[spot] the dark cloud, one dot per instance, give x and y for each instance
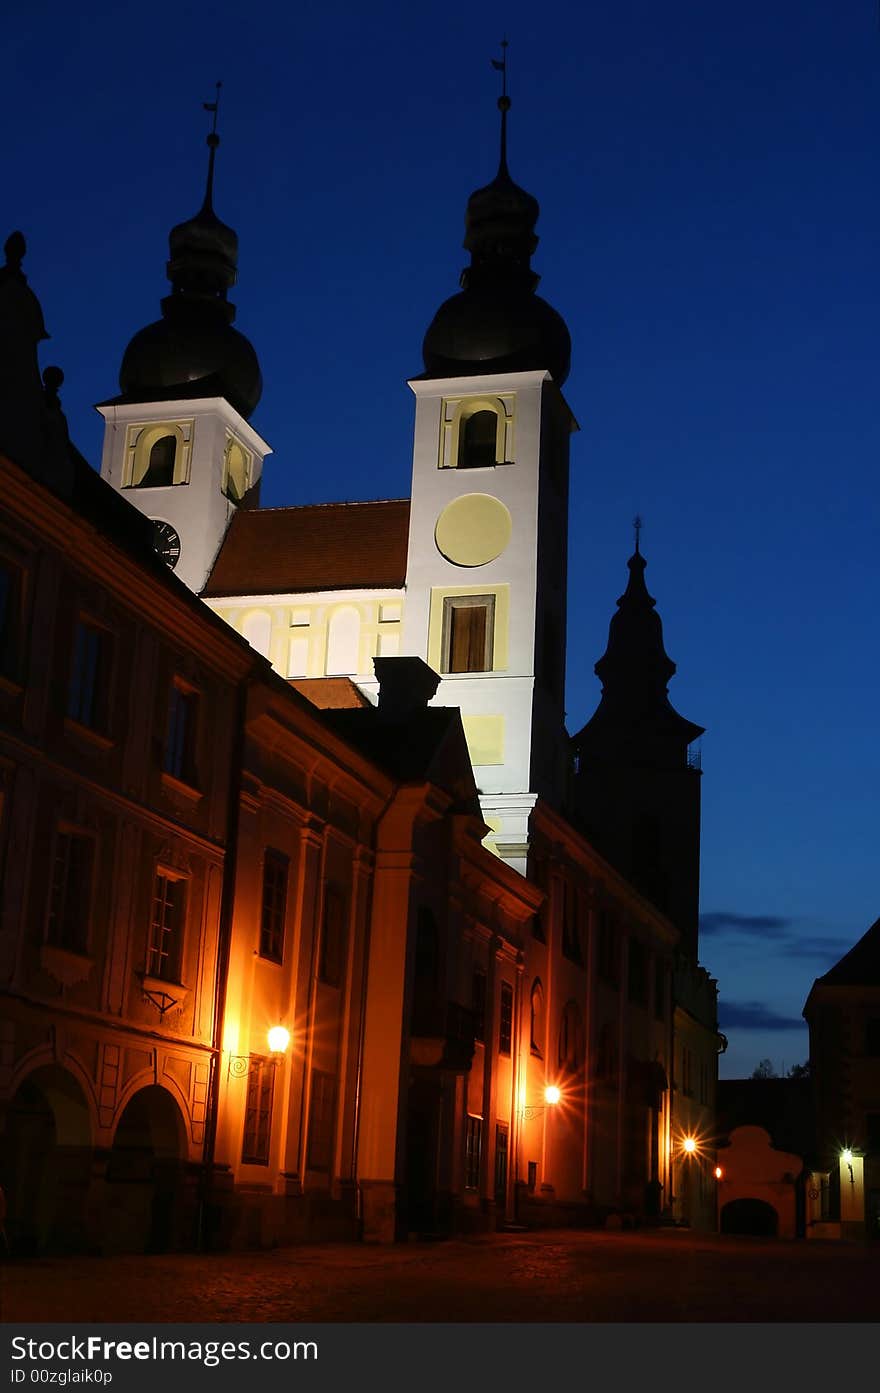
(754, 1015)
(828, 950)
(725, 921)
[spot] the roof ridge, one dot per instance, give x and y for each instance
(339, 503)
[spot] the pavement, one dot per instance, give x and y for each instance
(571, 1276)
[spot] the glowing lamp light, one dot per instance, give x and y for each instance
(689, 1145)
(718, 1172)
(846, 1157)
(279, 1039)
(552, 1094)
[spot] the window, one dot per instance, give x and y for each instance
(478, 1001)
(607, 955)
(637, 975)
(477, 440)
(180, 741)
(426, 970)
(70, 892)
(10, 618)
(501, 1163)
(322, 1109)
(274, 906)
(473, 1148)
(236, 479)
(872, 1036)
(505, 1021)
(660, 989)
(532, 1182)
(331, 954)
(872, 1133)
(88, 693)
(258, 1111)
(537, 1015)
(159, 472)
(468, 632)
(166, 927)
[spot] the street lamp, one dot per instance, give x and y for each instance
(552, 1096)
(277, 1039)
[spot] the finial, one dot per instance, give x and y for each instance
(500, 66)
(213, 140)
(15, 249)
(53, 377)
(637, 527)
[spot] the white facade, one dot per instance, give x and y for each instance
(213, 458)
(498, 532)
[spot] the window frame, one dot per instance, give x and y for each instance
(473, 1152)
(90, 676)
(451, 603)
(179, 753)
(505, 1019)
(80, 941)
(259, 1105)
(157, 956)
(272, 934)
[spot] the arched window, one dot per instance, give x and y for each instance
(537, 1014)
(257, 629)
(160, 464)
(343, 639)
(237, 480)
(477, 440)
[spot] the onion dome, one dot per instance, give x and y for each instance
(497, 323)
(193, 349)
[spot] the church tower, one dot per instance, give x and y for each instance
(177, 441)
(486, 568)
(636, 789)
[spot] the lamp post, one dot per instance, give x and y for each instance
(277, 1040)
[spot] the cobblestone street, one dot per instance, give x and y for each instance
(572, 1276)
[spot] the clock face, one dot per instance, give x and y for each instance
(166, 542)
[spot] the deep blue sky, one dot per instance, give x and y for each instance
(708, 180)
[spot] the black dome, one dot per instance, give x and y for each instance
(497, 323)
(496, 329)
(193, 349)
(201, 351)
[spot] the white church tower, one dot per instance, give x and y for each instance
(177, 443)
(486, 571)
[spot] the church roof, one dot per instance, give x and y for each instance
(860, 967)
(323, 546)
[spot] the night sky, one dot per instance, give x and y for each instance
(710, 219)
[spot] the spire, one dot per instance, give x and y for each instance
(203, 262)
(500, 65)
(500, 219)
(212, 141)
(496, 323)
(635, 671)
(194, 346)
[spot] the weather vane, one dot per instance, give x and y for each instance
(212, 106)
(637, 527)
(500, 66)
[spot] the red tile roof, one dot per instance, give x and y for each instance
(330, 693)
(325, 546)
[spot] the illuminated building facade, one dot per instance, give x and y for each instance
(843, 1014)
(384, 845)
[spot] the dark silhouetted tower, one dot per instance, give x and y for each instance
(636, 790)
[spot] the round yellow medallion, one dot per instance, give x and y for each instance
(473, 530)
